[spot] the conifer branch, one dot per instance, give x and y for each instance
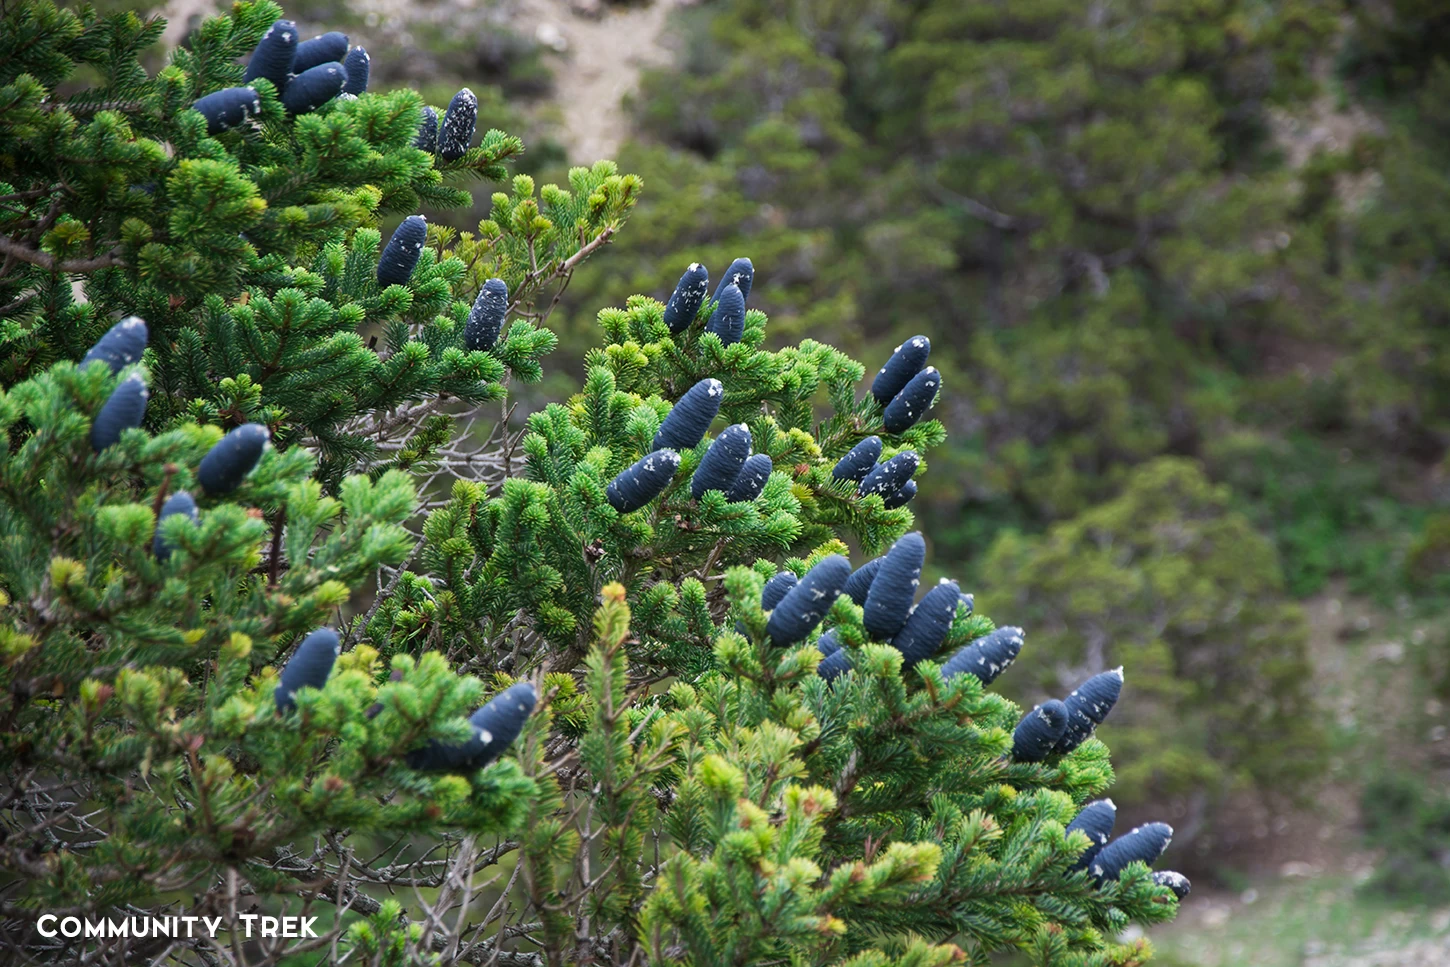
(45, 260)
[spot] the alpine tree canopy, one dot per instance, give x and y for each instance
(290, 623)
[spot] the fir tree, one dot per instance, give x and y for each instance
(566, 727)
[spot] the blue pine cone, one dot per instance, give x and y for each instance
(459, 123)
(227, 464)
(178, 503)
(125, 409)
(400, 256)
(902, 497)
(806, 604)
(1144, 844)
(888, 478)
(1095, 820)
(751, 480)
(687, 298)
(728, 319)
(314, 87)
(358, 66)
(777, 588)
(861, 459)
(1088, 705)
(1039, 731)
(908, 407)
(427, 136)
(834, 665)
(906, 361)
(121, 346)
(331, 46)
(688, 419)
(927, 626)
(273, 55)
(308, 668)
(723, 462)
(894, 588)
(988, 656)
(227, 108)
(740, 274)
(859, 584)
(495, 727)
(485, 319)
(644, 481)
(1176, 882)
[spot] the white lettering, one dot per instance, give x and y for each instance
(50, 926)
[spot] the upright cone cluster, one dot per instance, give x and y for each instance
(892, 479)
(306, 75)
(886, 589)
(906, 387)
(727, 317)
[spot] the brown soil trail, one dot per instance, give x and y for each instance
(598, 51)
(599, 64)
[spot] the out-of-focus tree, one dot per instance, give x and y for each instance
(1171, 582)
(1089, 190)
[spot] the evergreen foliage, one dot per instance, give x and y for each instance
(1172, 583)
(661, 771)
